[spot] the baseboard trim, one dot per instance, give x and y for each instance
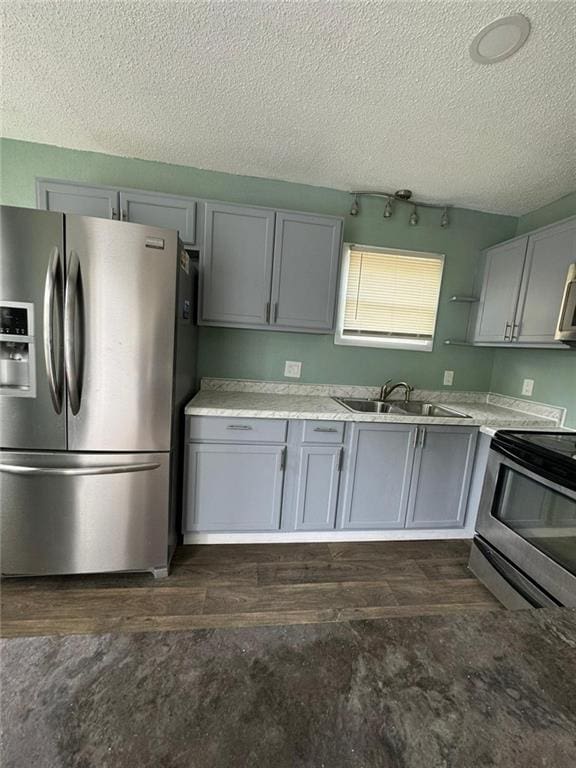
(279, 537)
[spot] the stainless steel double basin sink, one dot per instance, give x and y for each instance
(413, 408)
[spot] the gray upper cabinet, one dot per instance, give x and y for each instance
(317, 483)
(550, 253)
(159, 210)
(377, 475)
(101, 202)
(441, 477)
(262, 268)
(233, 487)
(306, 261)
(523, 285)
(236, 266)
(151, 208)
(502, 278)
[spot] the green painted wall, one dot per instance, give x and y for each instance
(261, 354)
(554, 372)
(548, 214)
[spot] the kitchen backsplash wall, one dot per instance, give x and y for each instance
(553, 372)
(261, 354)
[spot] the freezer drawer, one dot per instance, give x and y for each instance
(64, 513)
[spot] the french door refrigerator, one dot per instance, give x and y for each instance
(97, 349)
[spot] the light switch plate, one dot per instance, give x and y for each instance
(448, 378)
(527, 387)
(293, 369)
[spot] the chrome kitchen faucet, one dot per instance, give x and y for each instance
(387, 389)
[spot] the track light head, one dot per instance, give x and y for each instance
(355, 209)
(444, 221)
(388, 210)
(413, 221)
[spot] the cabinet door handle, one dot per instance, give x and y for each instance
(244, 427)
(267, 311)
(275, 311)
(515, 332)
(325, 429)
(422, 436)
(341, 460)
(416, 436)
(283, 459)
(507, 330)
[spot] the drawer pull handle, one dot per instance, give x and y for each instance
(238, 426)
(325, 429)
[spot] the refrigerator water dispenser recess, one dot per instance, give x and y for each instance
(17, 349)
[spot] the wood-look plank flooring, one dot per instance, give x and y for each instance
(237, 585)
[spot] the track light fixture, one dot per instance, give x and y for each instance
(400, 196)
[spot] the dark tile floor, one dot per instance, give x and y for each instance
(490, 691)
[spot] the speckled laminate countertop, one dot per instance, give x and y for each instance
(267, 405)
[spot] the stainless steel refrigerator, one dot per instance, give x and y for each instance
(97, 357)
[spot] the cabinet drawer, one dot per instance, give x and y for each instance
(236, 430)
(323, 432)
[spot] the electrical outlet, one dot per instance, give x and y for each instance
(293, 369)
(527, 387)
(448, 378)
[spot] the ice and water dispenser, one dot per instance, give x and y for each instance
(17, 349)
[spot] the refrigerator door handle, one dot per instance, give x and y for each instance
(52, 284)
(70, 301)
(111, 469)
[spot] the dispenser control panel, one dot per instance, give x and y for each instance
(17, 349)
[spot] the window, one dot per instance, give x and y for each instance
(388, 298)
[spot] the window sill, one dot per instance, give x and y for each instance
(377, 343)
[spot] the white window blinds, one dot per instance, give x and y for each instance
(391, 295)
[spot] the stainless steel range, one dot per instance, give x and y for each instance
(96, 361)
(525, 544)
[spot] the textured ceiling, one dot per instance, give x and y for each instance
(338, 94)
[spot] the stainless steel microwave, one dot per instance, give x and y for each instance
(566, 330)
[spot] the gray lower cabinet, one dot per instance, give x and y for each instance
(236, 266)
(317, 482)
(306, 261)
(377, 475)
(271, 475)
(441, 477)
(101, 202)
(232, 487)
(157, 210)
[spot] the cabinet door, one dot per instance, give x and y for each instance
(233, 487)
(441, 477)
(161, 211)
(377, 479)
(236, 272)
(549, 255)
(101, 202)
(501, 285)
(317, 487)
(306, 260)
